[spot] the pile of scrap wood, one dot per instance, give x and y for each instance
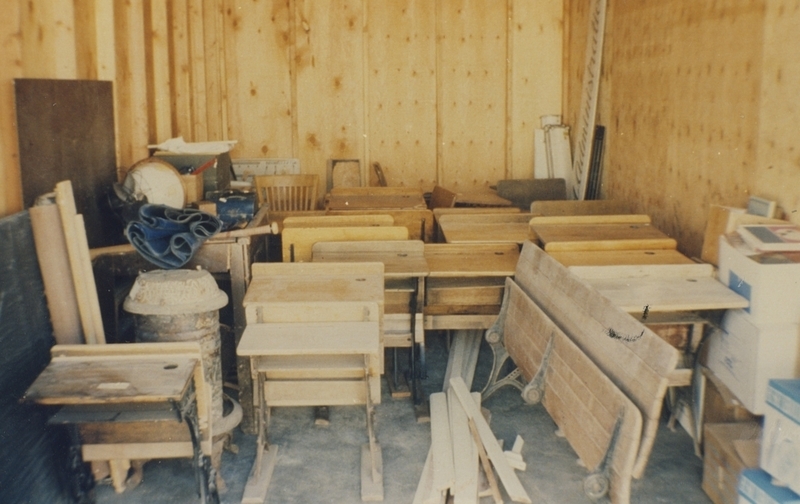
(464, 451)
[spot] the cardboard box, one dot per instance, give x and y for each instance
(745, 356)
(755, 487)
(721, 463)
(216, 168)
(770, 281)
(780, 447)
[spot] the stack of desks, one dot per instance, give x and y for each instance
(314, 337)
(465, 285)
(405, 270)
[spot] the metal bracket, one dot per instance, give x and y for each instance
(495, 338)
(596, 484)
(533, 392)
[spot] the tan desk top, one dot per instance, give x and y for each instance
(91, 380)
(371, 198)
(661, 287)
(617, 257)
(622, 236)
(400, 258)
(465, 232)
(315, 282)
(471, 260)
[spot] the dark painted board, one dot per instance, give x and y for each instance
(32, 456)
(66, 132)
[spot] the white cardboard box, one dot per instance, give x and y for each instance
(780, 442)
(755, 487)
(746, 355)
(770, 281)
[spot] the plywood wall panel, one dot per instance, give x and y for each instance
(48, 31)
(778, 161)
(536, 38)
(259, 87)
(401, 88)
(214, 55)
(330, 83)
(680, 100)
(197, 61)
(472, 93)
(158, 63)
(10, 69)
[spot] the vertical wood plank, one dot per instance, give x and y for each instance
(472, 81)
(180, 73)
(197, 60)
(259, 87)
(329, 83)
(401, 101)
(10, 69)
(158, 60)
(130, 85)
(48, 39)
(536, 35)
(214, 51)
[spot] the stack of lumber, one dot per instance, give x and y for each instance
(463, 448)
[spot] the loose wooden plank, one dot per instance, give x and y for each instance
(371, 480)
(441, 443)
(255, 490)
(507, 476)
(301, 240)
(635, 358)
(485, 464)
(465, 453)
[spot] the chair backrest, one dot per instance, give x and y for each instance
(287, 192)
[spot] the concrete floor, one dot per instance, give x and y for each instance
(322, 464)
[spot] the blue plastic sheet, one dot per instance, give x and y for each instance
(169, 237)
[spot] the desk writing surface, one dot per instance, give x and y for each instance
(661, 287)
(88, 381)
(326, 338)
(368, 198)
(471, 260)
(465, 232)
(601, 237)
(485, 218)
(612, 257)
(315, 282)
(400, 258)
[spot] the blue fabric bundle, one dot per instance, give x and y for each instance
(169, 237)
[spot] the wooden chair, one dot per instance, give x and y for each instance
(287, 192)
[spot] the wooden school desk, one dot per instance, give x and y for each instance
(485, 228)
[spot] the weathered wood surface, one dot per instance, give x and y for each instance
(419, 221)
(579, 207)
(471, 260)
(570, 237)
(372, 198)
(635, 358)
(297, 243)
(400, 258)
(661, 287)
(88, 381)
(615, 257)
(581, 399)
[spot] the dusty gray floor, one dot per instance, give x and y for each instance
(322, 464)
